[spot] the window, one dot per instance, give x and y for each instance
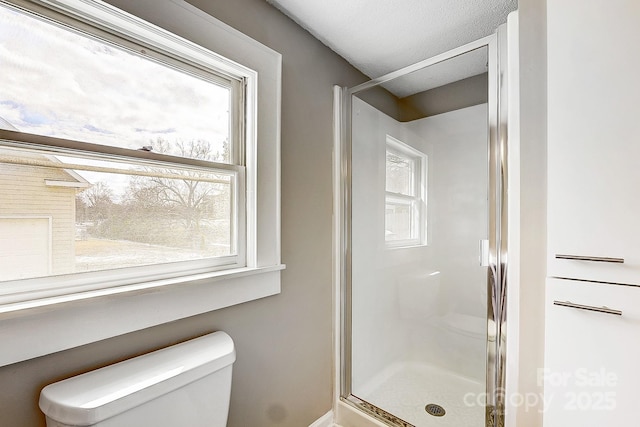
(405, 195)
(49, 309)
(133, 143)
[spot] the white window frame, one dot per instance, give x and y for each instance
(165, 47)
(417, 200)
(126, 305)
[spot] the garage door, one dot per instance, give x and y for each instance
(25, 248)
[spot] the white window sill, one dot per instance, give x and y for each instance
(36, 328)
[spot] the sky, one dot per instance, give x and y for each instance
(58, 83)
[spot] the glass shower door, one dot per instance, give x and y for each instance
(419, 229)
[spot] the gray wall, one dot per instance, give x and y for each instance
(283, 374)
(453, 96)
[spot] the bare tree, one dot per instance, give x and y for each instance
(188, 201)
(97, 201)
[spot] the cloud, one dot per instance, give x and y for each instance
(92, 128)
(160, 131)
(56, 82)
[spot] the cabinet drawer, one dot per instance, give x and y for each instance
(591, 376)
(608, 265)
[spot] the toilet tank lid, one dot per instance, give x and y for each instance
(101, 394)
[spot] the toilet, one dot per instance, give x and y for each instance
(188, 384)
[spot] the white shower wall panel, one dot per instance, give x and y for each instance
(458, 194)
(379, 336)
(399, 301)
(458, 220)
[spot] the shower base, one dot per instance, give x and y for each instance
(405, 389)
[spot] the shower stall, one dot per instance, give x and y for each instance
(421, 240)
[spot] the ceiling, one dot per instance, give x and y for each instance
(381, 36)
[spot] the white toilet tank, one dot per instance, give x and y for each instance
(188, 384)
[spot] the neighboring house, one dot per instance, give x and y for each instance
(37, 219)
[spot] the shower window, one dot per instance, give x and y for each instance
(405, 195)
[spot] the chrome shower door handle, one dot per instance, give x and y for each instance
(605, 310)
(484, 253)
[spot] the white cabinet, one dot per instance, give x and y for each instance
(592, 330)
(594, 138)
(591, 375)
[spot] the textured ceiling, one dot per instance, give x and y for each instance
(380, 36)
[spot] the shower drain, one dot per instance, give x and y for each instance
(435, 410)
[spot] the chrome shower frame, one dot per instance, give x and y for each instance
(498, 227)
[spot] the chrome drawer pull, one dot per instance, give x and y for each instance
(588, 307)
(590, 258)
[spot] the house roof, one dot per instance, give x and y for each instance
(4, 124)
(78, 182)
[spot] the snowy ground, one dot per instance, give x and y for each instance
(100, 254)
